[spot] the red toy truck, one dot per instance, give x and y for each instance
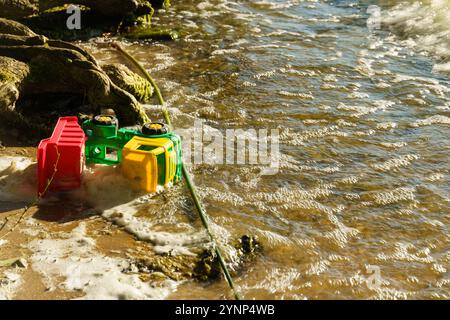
(67, 143)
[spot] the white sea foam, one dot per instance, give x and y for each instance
(224, 51)
(407, 252)
(436, 119)
(393, 144)
(442, 67)
(425, 25)
(401, 161)
(146, 229)
(300, 95)
(278, 281)
(17, 179)
(395, 195)
(9, 284)
(435, 177)
(386, 125)
(360, 110)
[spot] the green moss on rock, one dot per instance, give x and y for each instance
(129, 81)
(6, 76)
(173, 267)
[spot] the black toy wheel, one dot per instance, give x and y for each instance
(104, 120)
(154, 128)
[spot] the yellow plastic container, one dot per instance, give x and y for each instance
(149, 162)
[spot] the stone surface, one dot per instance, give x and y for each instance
(34, 66)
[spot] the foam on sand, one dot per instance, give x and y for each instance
(17, 179)
(9, 284)
(82, 268)
(106, 190)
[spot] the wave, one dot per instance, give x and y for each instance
(424, 26)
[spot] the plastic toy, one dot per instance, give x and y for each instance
(156, 131)
(103, 145)
(62, 157)
(149, 162)
(106, 141)
(149, 157)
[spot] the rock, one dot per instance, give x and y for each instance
(12, 74)
(129, 81)
(159, 275)
(42, 79)
(110, 8)
(21, 263)
(16, 40)
(14, 28)
(175, 268)
(208, 266)
(15, 9)
(248, 244)
(49, 17)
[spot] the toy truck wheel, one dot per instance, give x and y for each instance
(154, 128)
(104, 120)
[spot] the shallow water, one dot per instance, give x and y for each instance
(363, 115)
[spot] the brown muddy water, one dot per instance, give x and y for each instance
(359, 208)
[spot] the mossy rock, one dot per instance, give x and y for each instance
(6, 76)
(14, 28)
(34, 68)
(173, 267)
(12, 73)
(52, 23)
(15, 9)
(129, 81)
(203, 266)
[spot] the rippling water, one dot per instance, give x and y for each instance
(363, 114)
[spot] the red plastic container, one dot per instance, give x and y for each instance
(68, 140)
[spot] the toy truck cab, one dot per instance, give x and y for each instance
(103, 144)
